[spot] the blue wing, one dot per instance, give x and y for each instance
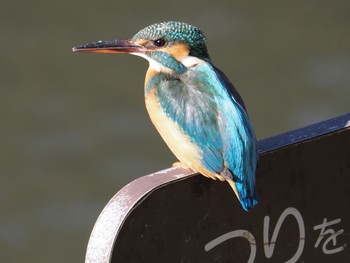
(210, 111)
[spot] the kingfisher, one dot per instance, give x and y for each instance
(193, 105)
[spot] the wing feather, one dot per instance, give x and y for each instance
(209, 110)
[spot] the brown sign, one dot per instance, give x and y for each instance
(303, 214)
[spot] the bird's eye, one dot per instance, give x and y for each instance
(159, 42)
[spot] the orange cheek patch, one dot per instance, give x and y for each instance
(178, 51)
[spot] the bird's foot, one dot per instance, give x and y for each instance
(180, 165)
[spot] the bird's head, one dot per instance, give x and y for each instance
(170, 47)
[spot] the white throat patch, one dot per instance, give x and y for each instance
(152, 63)
(188, 62)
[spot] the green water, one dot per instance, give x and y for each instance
(73, 126)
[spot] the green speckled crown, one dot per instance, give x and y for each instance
(177, 31)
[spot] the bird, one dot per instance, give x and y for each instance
(193, 105)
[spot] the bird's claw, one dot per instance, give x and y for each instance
(180, 165)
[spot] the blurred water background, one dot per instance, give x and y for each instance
(74, 129)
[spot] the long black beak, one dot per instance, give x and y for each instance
(111, 46)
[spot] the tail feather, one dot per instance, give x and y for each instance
(247, 200)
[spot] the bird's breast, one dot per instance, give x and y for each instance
(178, 142)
